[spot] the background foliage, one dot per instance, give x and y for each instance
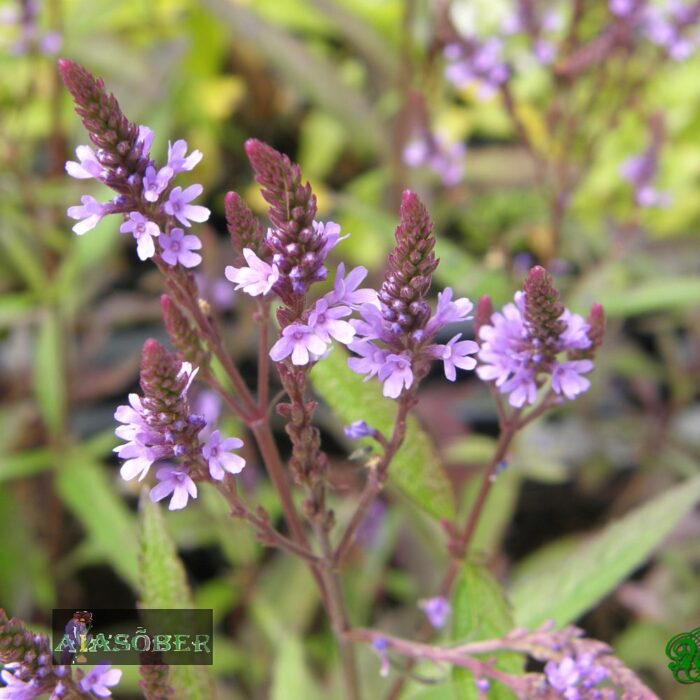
(329, 82)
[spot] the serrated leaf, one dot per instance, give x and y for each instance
(163, 584)
(566, 589)
(49, 376)
(416, 468)
(480, 611)
(84, 487)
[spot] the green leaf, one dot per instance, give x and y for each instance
(480, 611)
(652, 295)
(291, 677)
(49, 375)
(163, 584)
(26, 463)
(84, 487)
(416, 468)
(565, 589)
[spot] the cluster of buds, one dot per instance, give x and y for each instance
(160, 426)
(536, 337)
(152, 207)
(28, 670)
(394, 339)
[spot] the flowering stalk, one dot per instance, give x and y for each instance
(574, 667)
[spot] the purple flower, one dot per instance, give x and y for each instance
(299, 341)
(90, 213)
(88, 166)
(256, 279)
(145, 139)
(396, 374)
(175, 481)
(330, 234)
(448, 311)
(381, 647)
(177, 248)
(16, 689)
(483, 685)
(179, 207)
(640, 171)
(326, 322)
(345, 288)
(623, 8)
(100, 679)
(371, 358)
(567, 379)
(143, 231)
(218, 453)
(178, 160)
(359, 429)
(371, 325)
(437, 610)
(155, 182)
(575, 336)
(455, 354)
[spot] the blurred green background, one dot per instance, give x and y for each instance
(334, 84)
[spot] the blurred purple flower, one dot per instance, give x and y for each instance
(477, 62)
(100, 679)
(358, 429)
(437, 610)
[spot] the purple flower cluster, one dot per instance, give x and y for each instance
(532, 338)
(577, 678)
(672, 25)
(391, 355)
(444, 158)
(475, 62)
(155, 209)
(160, 426)
(394, 339)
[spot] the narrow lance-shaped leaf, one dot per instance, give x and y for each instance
(563, 590)
(163, 584)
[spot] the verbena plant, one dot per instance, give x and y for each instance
(534, 354)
